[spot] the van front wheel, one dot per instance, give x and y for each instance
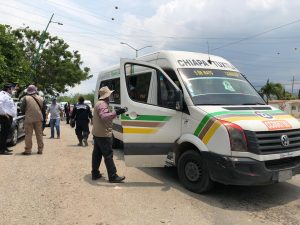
(193, 172)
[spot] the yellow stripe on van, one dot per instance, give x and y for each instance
(239, 118)
(139, 130)
(211, 132)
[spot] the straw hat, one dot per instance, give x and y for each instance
(104, 92)
(31, 89)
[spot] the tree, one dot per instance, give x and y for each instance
(57, 67)
(74, 98)
(14, 66)
(275, 91)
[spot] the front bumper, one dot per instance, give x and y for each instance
(246, 171)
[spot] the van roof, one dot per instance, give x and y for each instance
(183, 59)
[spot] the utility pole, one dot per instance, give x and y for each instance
(36, 58)
(293, 82)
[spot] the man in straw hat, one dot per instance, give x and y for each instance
(102, 131)
(32, 106)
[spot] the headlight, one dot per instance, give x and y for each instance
(237, 137)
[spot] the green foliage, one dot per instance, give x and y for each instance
(55, 66)
(275, 91)
(14, 66)
(74, 98)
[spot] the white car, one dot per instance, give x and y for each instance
(89, 103)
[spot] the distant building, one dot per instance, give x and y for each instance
(290, 106)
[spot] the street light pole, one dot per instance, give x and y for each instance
(35, 61)
(136, 50)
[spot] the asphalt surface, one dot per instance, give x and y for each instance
(56, 188)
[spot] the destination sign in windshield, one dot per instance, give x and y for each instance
(189, 73)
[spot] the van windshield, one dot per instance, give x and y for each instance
(219, 87)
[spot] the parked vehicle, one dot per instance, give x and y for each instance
(89, 103)
(17, 128)
(199, 113)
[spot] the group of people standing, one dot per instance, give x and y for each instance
(33, 107)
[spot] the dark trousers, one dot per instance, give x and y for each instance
(82, 129)
(68, 117)
(103, 147)
(5, 128)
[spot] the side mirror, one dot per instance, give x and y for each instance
(179, 100)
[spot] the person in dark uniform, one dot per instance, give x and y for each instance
(81, 114)
(8, 111)
(67, 112)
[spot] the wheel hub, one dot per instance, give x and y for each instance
(193, 171)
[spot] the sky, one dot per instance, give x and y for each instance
(260, 37)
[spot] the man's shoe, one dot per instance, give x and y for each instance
(116, 179)
(26, 153)
(96, 177)
(8, 150)
(40, 153)
(79, 144)
(5, 153)
(51, 137)
(85, 142)
(58, 137)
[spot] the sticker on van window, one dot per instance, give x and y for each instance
(228, 86)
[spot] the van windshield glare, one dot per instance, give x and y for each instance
(219, 87)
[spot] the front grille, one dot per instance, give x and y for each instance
(285, 163)
(269, 142)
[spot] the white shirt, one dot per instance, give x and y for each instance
(54, 111)
(7, 105)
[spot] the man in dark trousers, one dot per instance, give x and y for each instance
(8, 111)
(67, 112)
(81, 114)
(102, 131)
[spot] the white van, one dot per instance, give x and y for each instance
(200, 114)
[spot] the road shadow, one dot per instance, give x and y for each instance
(239, 198)
(103, 182)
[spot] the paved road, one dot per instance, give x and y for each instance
(56, 188)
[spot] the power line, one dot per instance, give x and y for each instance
(258, 34)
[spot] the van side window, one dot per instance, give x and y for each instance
(113, 84)
(166, 92)
(138, 79)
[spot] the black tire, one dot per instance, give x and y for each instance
(14, 137)
(193, 172)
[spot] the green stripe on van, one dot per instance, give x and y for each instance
(147, 118)
(209, 116)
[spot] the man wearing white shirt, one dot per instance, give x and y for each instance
(8, 111)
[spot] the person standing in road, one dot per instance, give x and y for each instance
(67, 108)
(8, 110)
(32, 106)
(102, 131)
(55, 111)
(81, 114)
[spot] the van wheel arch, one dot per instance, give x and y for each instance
(193, 171)
(185, 146)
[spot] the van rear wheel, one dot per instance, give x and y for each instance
(193, 172)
